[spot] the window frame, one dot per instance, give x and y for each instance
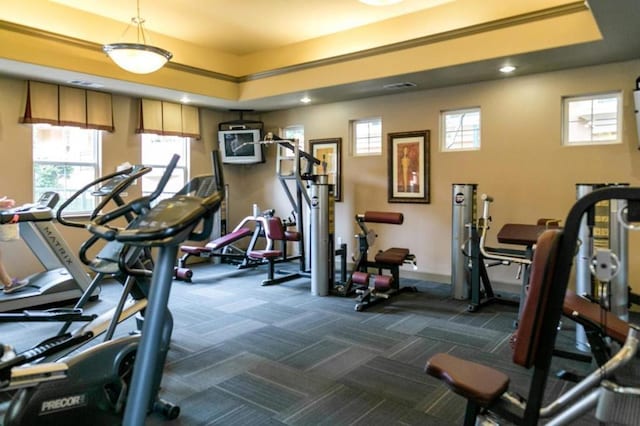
(96, 164)
(443, 129)
(566, 124)
(356, 152)
(184, 163)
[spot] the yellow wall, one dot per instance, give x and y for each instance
(521, 163)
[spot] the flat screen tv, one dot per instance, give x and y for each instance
(240, 147)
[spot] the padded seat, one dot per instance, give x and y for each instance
(265, 254)
(392, 256)
(219, 242)
(475, 382)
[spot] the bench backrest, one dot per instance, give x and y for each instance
(537, 300)
(274, 230)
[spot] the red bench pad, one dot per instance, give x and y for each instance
(220, 242)
(393, 256)
(229, 238)
(473, 381)
(265, 254)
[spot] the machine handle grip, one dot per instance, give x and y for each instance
(102, 231)
(68, 201)
(121, 186)
(487, 198)
(165, 177)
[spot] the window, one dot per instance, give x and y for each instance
(367, 136)
(156, 153)
(460, 129)
(294, 132)
(591, 120)
(64, 160)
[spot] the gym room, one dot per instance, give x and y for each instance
(300, 212)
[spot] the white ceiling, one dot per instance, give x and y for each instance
(267, 54)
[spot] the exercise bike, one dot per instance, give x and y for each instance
(93, 383)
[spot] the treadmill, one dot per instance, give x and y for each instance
(64, 278)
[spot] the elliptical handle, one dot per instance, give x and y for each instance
(71, 199)
(168, 171)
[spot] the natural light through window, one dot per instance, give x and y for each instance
(64, 160)
(156, 153)
(592, 120)
(460, 129)
(367, 137)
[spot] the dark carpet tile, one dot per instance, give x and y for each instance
(212, 406)
(246, 416)
(309, 321)
(460, 334)
(270, 312)
(416, 350)
(391, 380)
(261, 393)
(271, 342)
(194, 362)
(305, 383)
(213, 374)
(343, 362)
(359, 334)
(315, 354)
(340, 405)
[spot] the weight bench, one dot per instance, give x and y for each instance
(275, 231)
(208, 250)
(375, 288)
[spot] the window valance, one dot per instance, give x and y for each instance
(168, 118)
(67, 106)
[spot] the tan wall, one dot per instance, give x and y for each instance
(521, 163)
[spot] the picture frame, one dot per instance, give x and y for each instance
(409, 167)
(329, 152)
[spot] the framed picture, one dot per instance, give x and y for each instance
(409, 167)
(328, 151)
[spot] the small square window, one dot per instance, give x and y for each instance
(367, 136)
(592, 120)
(460, 129)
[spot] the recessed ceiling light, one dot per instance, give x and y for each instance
(507, 69)
(380, 2)
(305, 100)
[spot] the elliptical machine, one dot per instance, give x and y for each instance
(95, 382)
(165, 226)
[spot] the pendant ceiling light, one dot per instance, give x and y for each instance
(139, 58)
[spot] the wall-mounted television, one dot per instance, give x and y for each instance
(239, 146)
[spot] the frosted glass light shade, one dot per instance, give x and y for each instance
(137, 58)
